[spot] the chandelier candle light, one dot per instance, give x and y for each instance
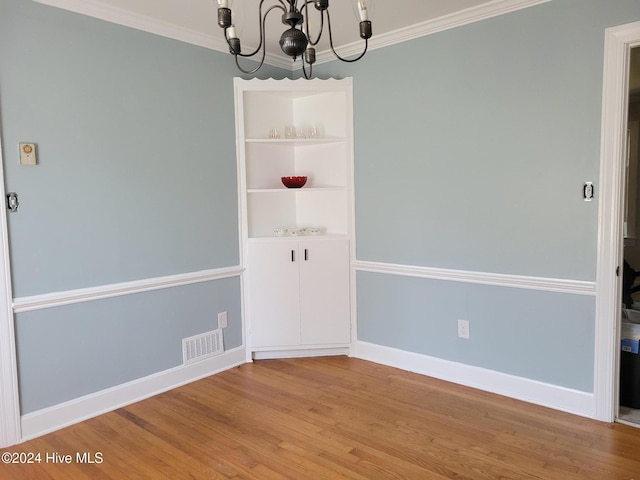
(296, 40)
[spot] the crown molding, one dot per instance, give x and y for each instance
(100, 10)
(103, 11)
(120, 16)
(446, 22)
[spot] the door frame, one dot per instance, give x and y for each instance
(10, 431)
(618, 43)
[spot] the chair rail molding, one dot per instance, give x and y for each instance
(575, 287)
(56, 299)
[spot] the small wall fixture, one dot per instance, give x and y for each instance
(587, 191)
(296, 40)
(12, 201)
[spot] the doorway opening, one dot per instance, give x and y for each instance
(629, 378)
(619, 42)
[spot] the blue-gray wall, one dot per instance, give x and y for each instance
(66, 352)
(527, 333)
(472, 146)
(136, 180)
(471, 149)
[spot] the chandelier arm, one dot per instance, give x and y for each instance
(261, 21)
(304, 70)
(366, 45)
(282, 4)
(306, 7)
(250, 72)
(263, 43)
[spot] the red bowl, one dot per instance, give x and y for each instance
(293, 182)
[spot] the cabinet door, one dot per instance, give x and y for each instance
(273, 284)
(324, 292)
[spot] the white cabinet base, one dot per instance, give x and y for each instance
(301, 352)
(325, 307)
(298, 294)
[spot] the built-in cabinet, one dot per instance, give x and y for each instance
(299, 292)
(296, 242)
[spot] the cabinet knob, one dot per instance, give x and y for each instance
(306, 255)
(293, 255)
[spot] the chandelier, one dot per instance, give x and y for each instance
(296, 40)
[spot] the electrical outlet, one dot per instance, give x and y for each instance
(222, 320)
(463, 328)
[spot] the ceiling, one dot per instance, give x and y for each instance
(195, 21)
(201, 15)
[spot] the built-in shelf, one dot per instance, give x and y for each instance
(311, 238)
(325, 200)
(295, 141)
(298, 286)
(295, 190)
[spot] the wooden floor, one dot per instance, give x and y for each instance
(332, 417)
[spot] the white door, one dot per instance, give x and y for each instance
(273, 293)
(324, 292)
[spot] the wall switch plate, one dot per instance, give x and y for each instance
(28, 154)
(463, 328)
(222, 320)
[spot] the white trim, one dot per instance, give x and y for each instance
(627, 422)
(120, 16)
(532, 391)
(575, 287)
(618, 43)
(68, 413)
(446, 22)
(243, 227)
(9, 401)
(56, 299)
(128, 18)
(300, 352)
(109, 13)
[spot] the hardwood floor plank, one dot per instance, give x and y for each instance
(250, 450)
(331, 418)
(263, 445)
(212, 454)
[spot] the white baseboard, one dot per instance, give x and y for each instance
(300, 353)
(68, 413)
(532, 391)
(64, 414)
